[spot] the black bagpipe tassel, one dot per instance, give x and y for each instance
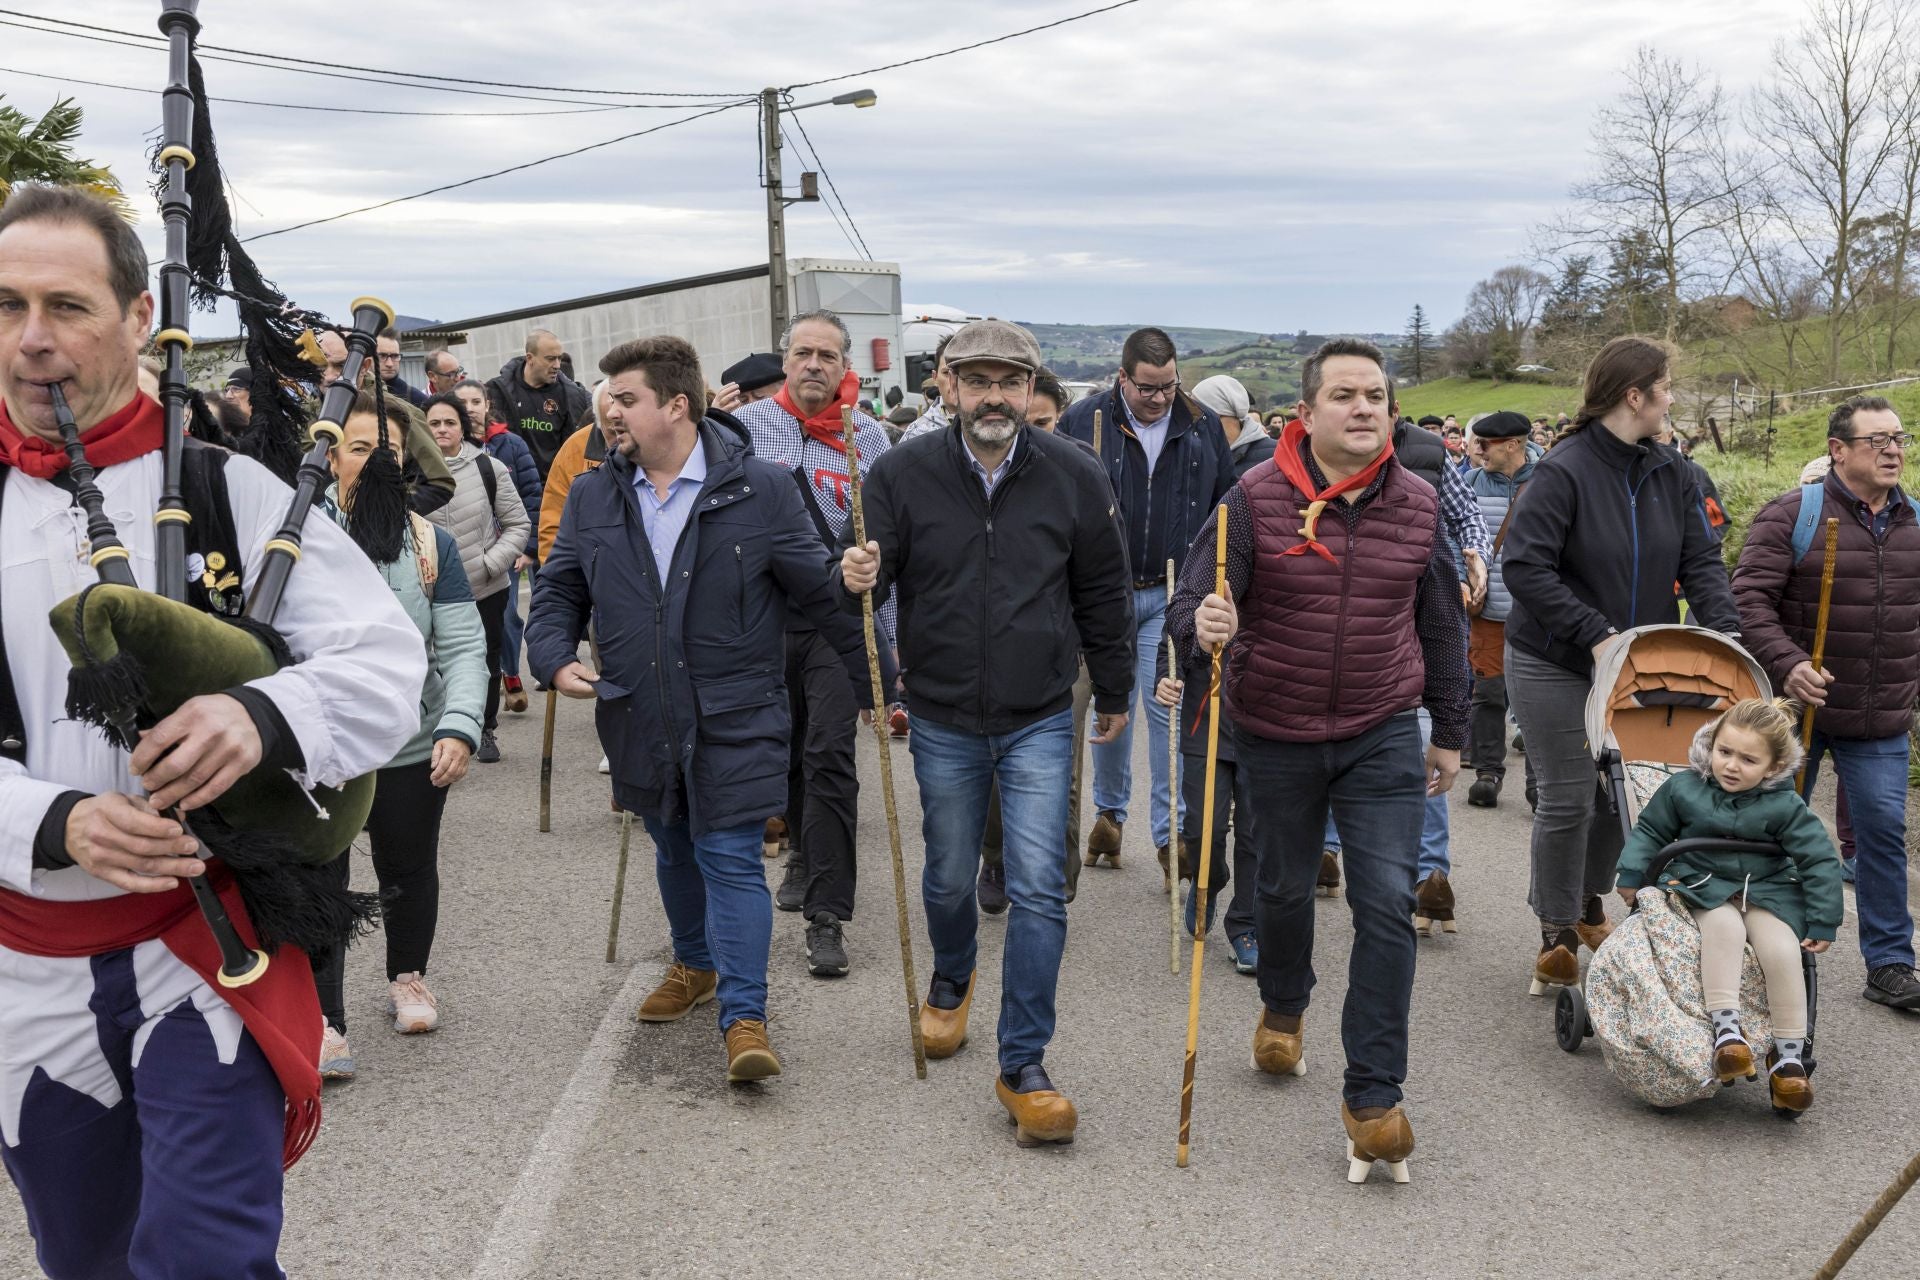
(377, 510)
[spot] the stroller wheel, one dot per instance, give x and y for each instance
(1570, 1025)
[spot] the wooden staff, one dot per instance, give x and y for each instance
(1206, 847)
(1096, 440)
(1819, 644)
(1864, 1228)
(1173, 787)
(546, 764)
(886, 756)
(619, 884)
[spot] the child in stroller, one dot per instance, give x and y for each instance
(1740, 787)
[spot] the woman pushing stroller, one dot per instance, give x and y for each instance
(1740, 787)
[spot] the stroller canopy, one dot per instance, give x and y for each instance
(1660, 685)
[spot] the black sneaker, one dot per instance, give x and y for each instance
(1533, 796)
(1485, 792)
(792, 893)
(993, 888)
(1894, 986)
(826, 948)
(489, 752)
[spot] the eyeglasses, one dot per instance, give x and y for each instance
(385, 356)
(1160, 392)
(979, 385)
(1881, 440)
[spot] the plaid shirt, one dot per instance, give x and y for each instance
(1460, 513)
(778, 438)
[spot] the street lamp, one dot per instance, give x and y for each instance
(777, 198)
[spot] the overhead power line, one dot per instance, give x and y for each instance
(366, 111)
(389, 82)
(347, 66)
(498, 173)
(978, 44)
(831, 212)
(821, 165)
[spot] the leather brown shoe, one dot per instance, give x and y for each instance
(943, 1031)
(1595, 928)
(679, 993)
(1104, 841)
(1433, 904)
(1278, 1053)
(1040, 1113)
(1789, 1088)
(1328, 881)
(1558, 964)
(749, 1054)
(1387, 1137)
(773, 840)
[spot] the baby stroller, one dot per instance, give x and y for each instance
(1659, 687)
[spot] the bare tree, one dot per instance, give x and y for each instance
(1823, 117)
(1653, 172)
(1509, 301)
(1906, 206)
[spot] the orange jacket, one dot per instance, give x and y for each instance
(583, 451)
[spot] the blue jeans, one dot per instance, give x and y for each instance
(714, 890)
(1374, 785)
(1435, 827)
(1874, 772)
(510, 638)
(1033, 767)
(1113, 761)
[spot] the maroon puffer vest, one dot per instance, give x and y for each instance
(1327, 651)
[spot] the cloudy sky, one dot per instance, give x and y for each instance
(1260, 164)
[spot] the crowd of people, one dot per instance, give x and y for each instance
(1398, 596)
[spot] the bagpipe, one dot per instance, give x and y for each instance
(137, 656)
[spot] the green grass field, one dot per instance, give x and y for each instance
(1465, 397)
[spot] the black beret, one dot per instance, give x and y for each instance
(755, 371)
(241, 377)
(1432, 420)
(1505, 425)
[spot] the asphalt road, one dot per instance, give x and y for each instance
(544, 1133)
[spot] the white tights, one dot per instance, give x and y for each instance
(1725, 932)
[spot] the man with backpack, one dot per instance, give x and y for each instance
(1865, 689)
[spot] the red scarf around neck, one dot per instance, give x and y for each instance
(825, 426)
(1294, 467)
(137, 429)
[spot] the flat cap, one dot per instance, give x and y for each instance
(241, 377)
(757, 370)
(1505, 425)
(998, 340)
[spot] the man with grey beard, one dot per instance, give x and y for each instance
(1004, 546)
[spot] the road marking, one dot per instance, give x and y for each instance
(517, 1232)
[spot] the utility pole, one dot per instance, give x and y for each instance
(778, 302)
(776, 214)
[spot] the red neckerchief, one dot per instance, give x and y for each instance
(495, 429)
(137, 429)
(281, 1010)
(1294, 467)
(825, 426)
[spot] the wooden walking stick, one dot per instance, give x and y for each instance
(619, 884)
(1173, 809)
(886, 757)
(1864, 1228)
(1819, 644)
(1206, 846)
(546, 763)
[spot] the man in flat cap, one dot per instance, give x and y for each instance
(1505, 458)
(1005, 549)
(758, 377)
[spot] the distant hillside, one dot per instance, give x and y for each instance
(1081, 345)
(1268, 364)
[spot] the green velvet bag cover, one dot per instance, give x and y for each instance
(130, 647)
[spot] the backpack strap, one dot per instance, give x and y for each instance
(1812, 503)
(488, 480)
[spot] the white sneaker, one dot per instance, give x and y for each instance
(336, 1060)
(412, 1006)
(605, 766)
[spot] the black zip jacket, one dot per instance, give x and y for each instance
(1161, 513)
(998, 601)
(1598, 538)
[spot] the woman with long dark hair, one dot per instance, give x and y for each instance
(1609, 522)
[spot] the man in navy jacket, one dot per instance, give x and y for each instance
(686, 551)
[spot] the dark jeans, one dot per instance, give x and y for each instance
(404, 829)
(1875, 773)
(1487, 745)
(1375, 787)
(823, 785)
(990, 842)
(954, 769)
(516, 625)
(493, 622)
(1229, 793)
(718, 909)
